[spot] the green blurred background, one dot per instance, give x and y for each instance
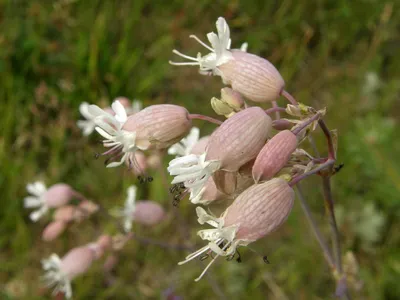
(342, 55)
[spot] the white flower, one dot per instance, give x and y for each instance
(87, 126)
(37, 190)
(128, 210)
(186, 144)
(121, 142)
(221, 239)
(193, 170)
(220, 54)
(56, 277)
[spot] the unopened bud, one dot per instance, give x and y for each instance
(274, 155)
(53, 230)
(148, 213)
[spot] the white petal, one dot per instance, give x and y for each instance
(128, 225)
(130, 200)
(84, 110)
(37, 214)
(96, 111)
(120, 113)
(31, 202)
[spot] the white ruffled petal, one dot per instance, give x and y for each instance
(32, 202)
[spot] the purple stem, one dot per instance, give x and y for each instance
(325, 165)
(205, 118)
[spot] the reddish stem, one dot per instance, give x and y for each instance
(329, 139)
(289, 97)
(277, 114)
(303, 125)
(276, 109)
(205, 118)
(325, 165)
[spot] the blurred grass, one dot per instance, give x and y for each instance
(338, 54)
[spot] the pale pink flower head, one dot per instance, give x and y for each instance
(42, 198)
(60, 272)
(258, 211)
(234, 143)
(274, 155)
(148, 213)
(250, 75)
(143, 212)
(155, 127)
(53, 230)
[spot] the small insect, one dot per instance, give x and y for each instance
(265, 259)
(337, 168)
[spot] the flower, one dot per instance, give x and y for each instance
(184, 147)
(256, 212)
(43, 198)
(120, 141)
(127, 212)
(252, 76)
(144, 212)
(87, 126)
(219, 55)
(221, 239)
(155, 127)
(61, 271)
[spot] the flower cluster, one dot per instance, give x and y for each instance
(249, 159)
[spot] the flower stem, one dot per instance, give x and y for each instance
(301, 126)
(324, 246)
(289, 97)
(331, 149)
(205, 118)
(325, 165)
(277, 113)
(275, 109)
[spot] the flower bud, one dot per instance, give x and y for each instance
(252, 76)
(58, 195)
(65, 213)
(239, 139)
(88, 207)
(60, 272)
(282, 124)
(53, 230)
(274, 155)
(260, 210)
(232, 98)
(159, 126)
(230, 102)
(148, 213)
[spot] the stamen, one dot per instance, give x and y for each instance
(96, 155)
(204, 257)
(185, 56)
(209, 265)
(192, 36)
(182, 63)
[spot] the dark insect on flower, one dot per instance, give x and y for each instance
(336, 169)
